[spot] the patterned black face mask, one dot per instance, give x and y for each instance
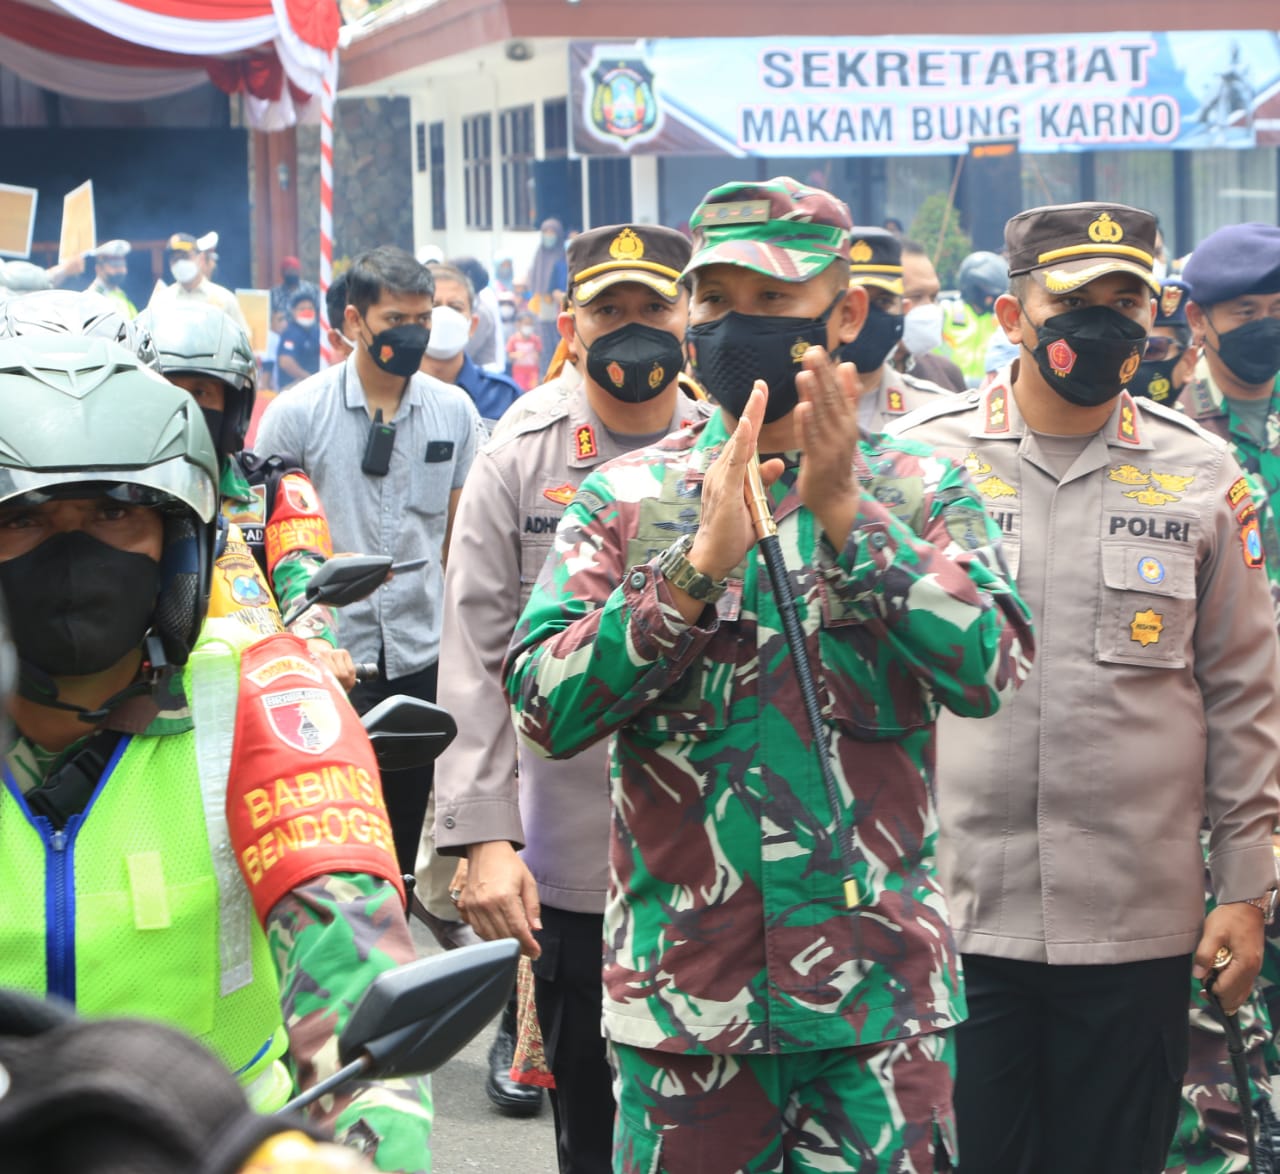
(1088, 356)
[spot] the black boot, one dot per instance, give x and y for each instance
(511, 1098)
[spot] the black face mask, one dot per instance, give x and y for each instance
(635, 362)
(1088, 356)
(1252, 352)
(731, 353)
(399, 351)
(79, 605)
(291, 279)
(213, 418)
(1154, 381)
(880, 333)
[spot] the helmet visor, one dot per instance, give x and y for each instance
(174, 480)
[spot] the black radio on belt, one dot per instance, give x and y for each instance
(377, 447)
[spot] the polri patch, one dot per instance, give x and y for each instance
(1238, 492)
(1251, 541)
(560, 494)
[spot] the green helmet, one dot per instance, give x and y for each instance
(77, 410)
(201, 339)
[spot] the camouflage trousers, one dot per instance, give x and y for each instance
(1210, 1136)
(880, 1109)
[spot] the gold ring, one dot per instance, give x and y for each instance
(1222, 959)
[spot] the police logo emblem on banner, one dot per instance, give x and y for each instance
(305, 719)
(623, 105)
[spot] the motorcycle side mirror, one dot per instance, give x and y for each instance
(407, 732)
(415, 1018)
(341, 581)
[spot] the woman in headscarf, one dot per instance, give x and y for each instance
(547, 281)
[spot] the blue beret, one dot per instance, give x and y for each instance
(1171, 305)
(1237, 260)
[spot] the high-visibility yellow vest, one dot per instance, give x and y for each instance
(137, 907)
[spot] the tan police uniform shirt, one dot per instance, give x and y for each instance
(1070, 819)
(898, 395)
(540, 452)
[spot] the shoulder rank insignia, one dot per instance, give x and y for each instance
(1129, 475)
(997, 415)
(585, 441)
(896, 404)
(1127, 429)
(1150, 496)
(561, 494)
(994, 487)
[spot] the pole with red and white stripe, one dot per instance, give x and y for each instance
(326, 201)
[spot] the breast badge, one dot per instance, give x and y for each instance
(993, 487)
(1151, 570)
(1146, 627)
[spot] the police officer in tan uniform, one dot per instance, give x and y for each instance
(1070, 820)
(624, 330)
(887, 394)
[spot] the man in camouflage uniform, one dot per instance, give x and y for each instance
(773, 994)
(885, 394)
(1070, 821)
(1233, 394)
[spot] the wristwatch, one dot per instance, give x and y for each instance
(1267, 903)
(680, 572)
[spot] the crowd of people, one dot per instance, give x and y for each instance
(940, 837)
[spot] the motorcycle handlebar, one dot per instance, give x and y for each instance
(366, 672)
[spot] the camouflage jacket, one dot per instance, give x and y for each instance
(726, 929)
(1204, 403)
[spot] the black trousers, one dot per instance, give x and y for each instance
(568, 991)
(406, 791)
(1070, 1069)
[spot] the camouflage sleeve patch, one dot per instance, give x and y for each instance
(330, 938)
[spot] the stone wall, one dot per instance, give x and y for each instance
(372, 181)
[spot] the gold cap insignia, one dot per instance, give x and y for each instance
(626, 246)
(1105, 231)
(861, 253)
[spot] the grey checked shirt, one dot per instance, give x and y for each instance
(323, 424)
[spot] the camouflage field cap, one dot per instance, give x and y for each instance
(779, 227)
(875, 258)
(1069, 245)
(646, 253)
